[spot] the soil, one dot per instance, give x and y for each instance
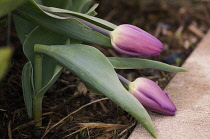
(179, 25)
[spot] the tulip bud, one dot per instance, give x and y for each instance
(151, 96)
(134, 41)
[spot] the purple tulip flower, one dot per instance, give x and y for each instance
(152, 97)
(131, 40)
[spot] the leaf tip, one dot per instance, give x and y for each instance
(152, 132)
(154, 135)
(184, 70)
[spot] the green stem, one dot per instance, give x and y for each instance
(37, 111)
(38, 73)
(37, 102)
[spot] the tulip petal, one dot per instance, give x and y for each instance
(133, 53)
(161, 111)
(134, 41)
(152, 96)
(145, 34)
(155, 93)
(151, 105)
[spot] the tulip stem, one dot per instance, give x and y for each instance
(94, 27)
(123, 80)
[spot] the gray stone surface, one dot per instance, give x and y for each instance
(190, 92)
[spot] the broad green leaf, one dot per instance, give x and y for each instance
(94, 20)
(41, 36)
(51, 69)
(7, 6)
(95, 70)
(70, 27)
(49, 83)
(63, 4)
(92, 11)
(23, 27)
(39, 1)
(80, 6)
(137, 63)
(5, 55)
(27, 87)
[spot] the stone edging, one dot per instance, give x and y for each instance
(190, 93)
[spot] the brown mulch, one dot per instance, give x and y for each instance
(69, 110)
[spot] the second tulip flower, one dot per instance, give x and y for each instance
(152, 97)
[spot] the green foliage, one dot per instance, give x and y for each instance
(27, 87)
(23, 27)
(70, 27)
(66, 14)
(40, 1)
(81, 6)
(138, 63)
(38, 75)
(7, 6)
(63, 4)
(92, 11)
(50, 67)
(51, 40)
(5, 55)
(80, 60)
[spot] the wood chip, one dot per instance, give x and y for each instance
(9, 130)
(196, 31)
(108, 127)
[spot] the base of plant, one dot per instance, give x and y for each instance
(37, 111)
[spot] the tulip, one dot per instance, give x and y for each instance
(126, 39)
(131, 40)
(152, 97)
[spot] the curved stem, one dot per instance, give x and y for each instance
(94, 27)
(123, 80)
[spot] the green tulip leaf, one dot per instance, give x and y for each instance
(69, 27)
(138, 63)
(94, 20)
(5, 55)
(23, 27)
(48, 83)
(40, 1)
(27, 87)
(63, 4)
(80, 6)
(7, 6)
(95, 70)
(51, 69)
(92, 11)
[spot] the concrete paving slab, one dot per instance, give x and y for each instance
(190, 92)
